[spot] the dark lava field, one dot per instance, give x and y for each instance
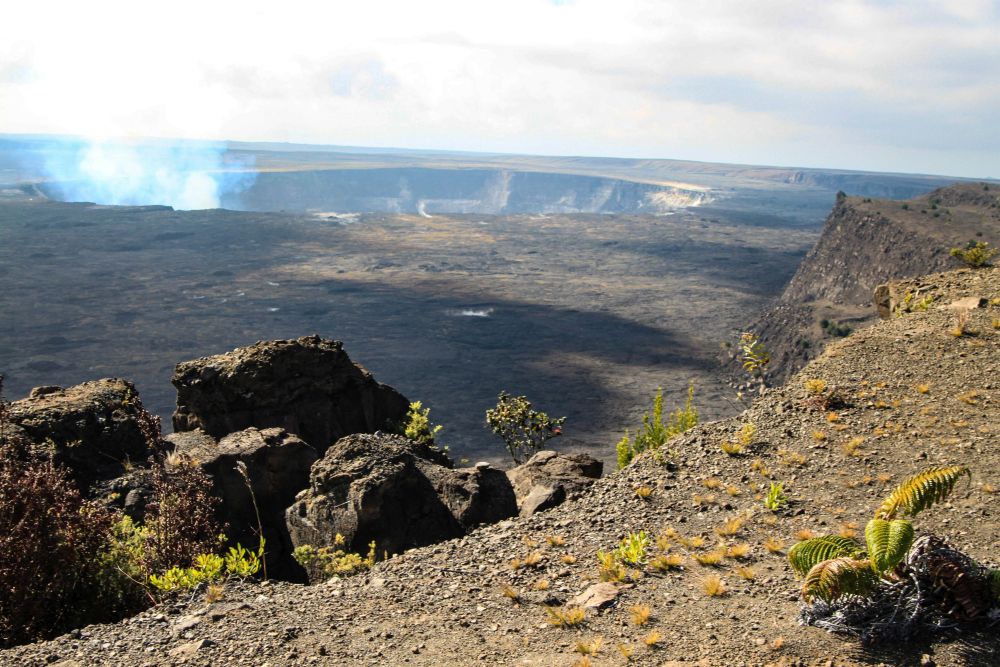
(585, 314)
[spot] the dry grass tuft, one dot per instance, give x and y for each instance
(589, 648)
(746, 573)
(738, 551)
(644, 492)
(731, 527)
(709, 558)
(713, 586)
(566, 617)
(641, 614)
(666, 562)
(774, 546)
(652, 639)
(555, 540)
(567, 559)
(712, 483)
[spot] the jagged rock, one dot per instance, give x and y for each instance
(307, 386)
(93, 428)
(390, 490)
(474, 495)
(277, 465)
(548, 478)
(541, 498)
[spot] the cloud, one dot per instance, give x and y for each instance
(857, 84)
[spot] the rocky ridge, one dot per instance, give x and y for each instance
(867, 242)
(911, 394)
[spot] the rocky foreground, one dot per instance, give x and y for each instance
(914, 390)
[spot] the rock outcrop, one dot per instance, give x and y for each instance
(277, 466)
(866, 243)
(391, 491)
(548, 478)
(308, 386)
(95, 429)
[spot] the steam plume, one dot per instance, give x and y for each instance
(186, 175)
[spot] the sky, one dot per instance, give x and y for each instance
(907, 85)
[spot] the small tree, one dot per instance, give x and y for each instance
(523, 430)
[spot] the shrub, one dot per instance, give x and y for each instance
(754, 355)
(655, 431)
(975, 253)
(418, 425)
(180, 517)
(50, 542)
(522, 429)
(322, 563)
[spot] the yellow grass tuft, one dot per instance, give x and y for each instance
(738, 551)
(566, 617)
(666, 562)
(746, 573)
(731, 527)
(652, 639)
(644, 492)
(641, 614)
(774, 546)
(713, 586)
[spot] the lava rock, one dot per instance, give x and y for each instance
(549, 477)
(277, 467)
(308, 386)
(394, 492)
(95, 429)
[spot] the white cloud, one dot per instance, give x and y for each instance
(852, 84)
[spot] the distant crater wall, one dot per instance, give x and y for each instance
(428, 191)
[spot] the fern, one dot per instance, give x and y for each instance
(993, 577)
(837, 577)
(807, 554)
(921, 491)
(888, 542)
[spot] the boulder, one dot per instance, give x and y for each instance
(548, 478)
(277, 466)
(474, 496)
(394, 492)
(95, 429)
(308, 386)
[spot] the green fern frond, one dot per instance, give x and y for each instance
(807, 554)
(837, 577)
(921, 491)
(888, 542)
(993, 576)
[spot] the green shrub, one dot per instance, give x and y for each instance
(418, 425)
(522, 429)
(322, 563)
(209, 568)
(975, 253)
(655, 432)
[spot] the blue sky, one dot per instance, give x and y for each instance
(899, 86)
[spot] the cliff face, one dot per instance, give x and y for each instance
(865, 243)
(486, 191)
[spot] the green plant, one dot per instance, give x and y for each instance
(975, 253)
(418, 425)
(321, 563)
(522, 429)
(208, 568)
(655, 431)
(835, 566)
(753, 353)
(632, 549)
(775, 498)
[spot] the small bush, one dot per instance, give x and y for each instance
(522, 429)
(322, 563)
(418, 425)
(655, 431)
(975, 253)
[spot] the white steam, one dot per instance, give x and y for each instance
(184, 176)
